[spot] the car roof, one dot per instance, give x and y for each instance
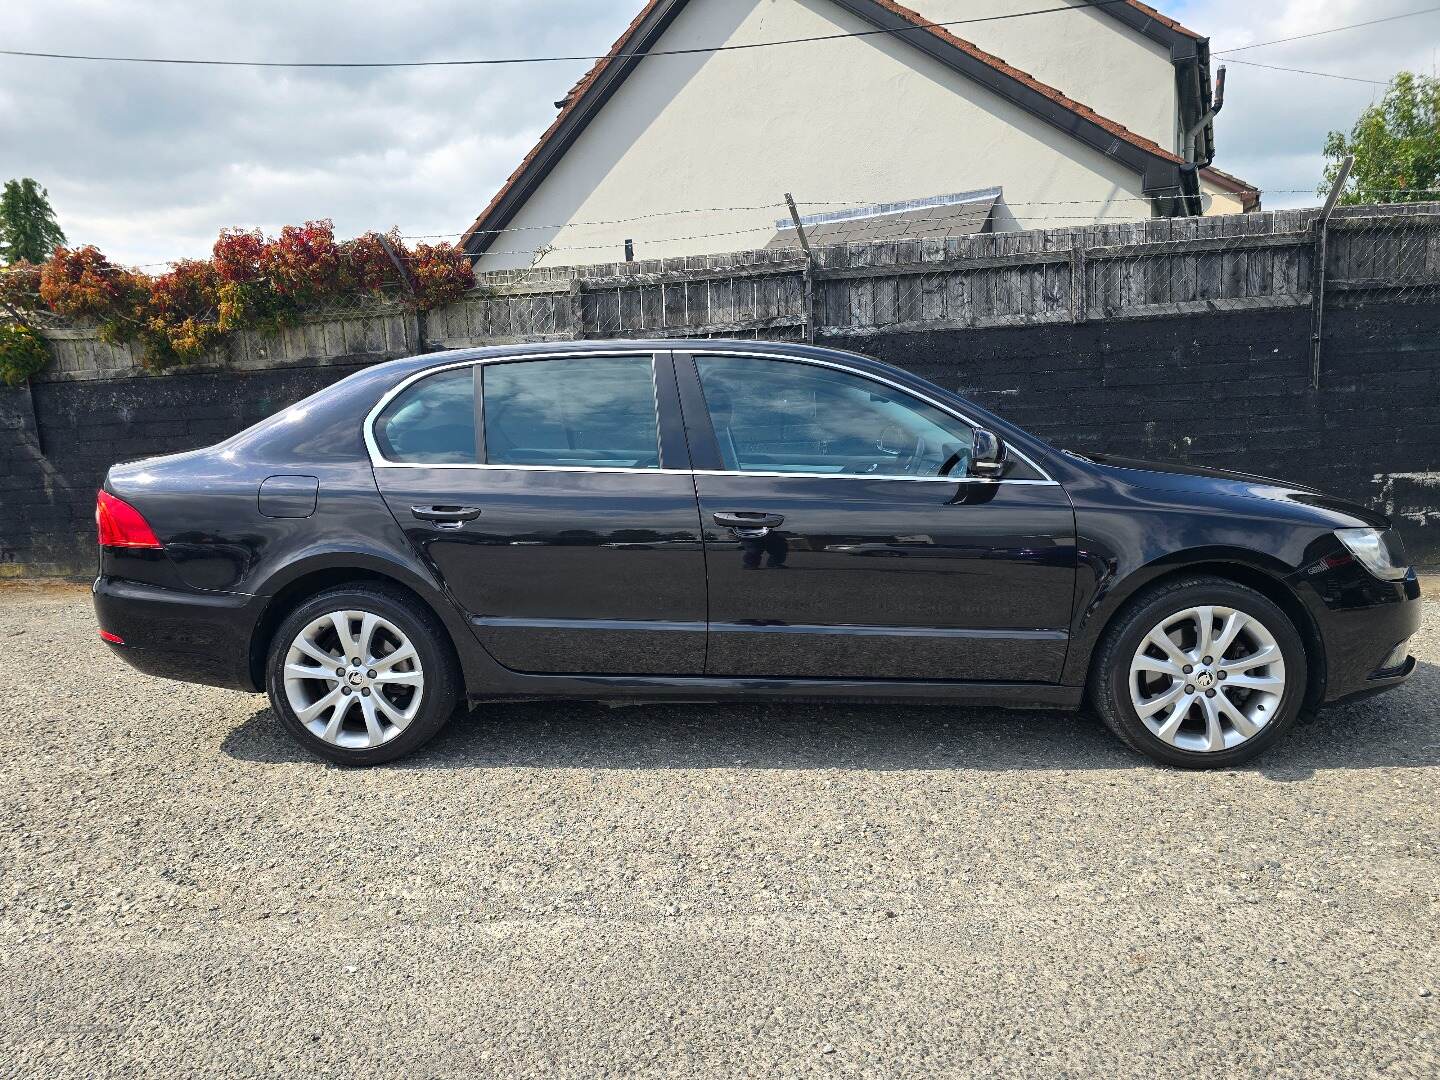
(409, 365)
(612, 345)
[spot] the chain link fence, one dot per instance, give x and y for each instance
(1390, 253)
(1135, 270)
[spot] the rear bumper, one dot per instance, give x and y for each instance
(199, 637)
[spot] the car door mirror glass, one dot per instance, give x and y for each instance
(987, 460)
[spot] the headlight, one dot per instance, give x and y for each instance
(1369, 547)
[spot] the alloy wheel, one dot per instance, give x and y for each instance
(354, 679)
(1207, 678)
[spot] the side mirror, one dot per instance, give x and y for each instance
(988, 457)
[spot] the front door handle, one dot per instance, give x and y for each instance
(446, 517)
(749, 524)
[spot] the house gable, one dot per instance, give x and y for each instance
(1085, 51)
(1151, 168)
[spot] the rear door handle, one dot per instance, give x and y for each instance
(748, 523)
(446, 517)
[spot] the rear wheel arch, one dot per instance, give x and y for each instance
(310, 583)
(1267, 584)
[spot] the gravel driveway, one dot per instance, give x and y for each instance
(700, 891)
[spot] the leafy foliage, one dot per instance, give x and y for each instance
(1396, 144)
(81, 283)
(22, 353)
(28, 229)
(19, 288)
(251, 282)
(441, 274)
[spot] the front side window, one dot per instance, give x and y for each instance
(778, 417)
(593, 411)
(431, 422)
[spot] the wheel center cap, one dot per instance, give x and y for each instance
(357, 677)
(1204, 680)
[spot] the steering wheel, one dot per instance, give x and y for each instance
(950, 462)
(906, 459)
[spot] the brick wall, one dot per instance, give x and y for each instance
(57, 439)
(1228, 389)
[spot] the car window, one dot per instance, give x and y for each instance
(776, 416)
(595, 411)
(431, 422)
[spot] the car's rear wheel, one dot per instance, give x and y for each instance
(1200, 673)
(362, 674)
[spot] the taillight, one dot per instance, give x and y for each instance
(120, 524)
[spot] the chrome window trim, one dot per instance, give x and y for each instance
(379, 461)
(951, 480)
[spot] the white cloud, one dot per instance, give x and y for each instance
(1274, 124)
(150, 162)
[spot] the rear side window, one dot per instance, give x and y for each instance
(596, 411)
(431, 422)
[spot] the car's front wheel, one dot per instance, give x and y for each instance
(1200, 673)
(362, 674)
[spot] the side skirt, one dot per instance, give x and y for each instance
(670, 688)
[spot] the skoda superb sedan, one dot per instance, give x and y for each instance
(729, 520)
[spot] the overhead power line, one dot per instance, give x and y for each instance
(1322, 33)
(554, 59)
(1306, 71)
(363, 64)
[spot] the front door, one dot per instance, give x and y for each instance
(560, 517)
(836, 548)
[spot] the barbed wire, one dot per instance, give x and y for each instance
(1113, 201)
(545, 250)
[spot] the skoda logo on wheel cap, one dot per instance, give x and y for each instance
(1204, 680)
(357, 677)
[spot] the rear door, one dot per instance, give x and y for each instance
(552, 495)
(835, 547)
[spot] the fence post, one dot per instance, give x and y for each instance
(577, 309)
(1317, 285)
(422, 323)
(1079, 282)
(809, 326)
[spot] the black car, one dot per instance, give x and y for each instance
(722, 520)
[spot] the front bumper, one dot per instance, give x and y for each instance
(1359, 637)
(192, 636)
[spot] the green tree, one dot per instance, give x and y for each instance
(28, 229)
(1396, 144)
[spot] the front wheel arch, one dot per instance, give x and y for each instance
(1267, 585)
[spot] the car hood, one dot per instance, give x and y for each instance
(1161, 476)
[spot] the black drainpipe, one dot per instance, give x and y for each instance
(1190, 172)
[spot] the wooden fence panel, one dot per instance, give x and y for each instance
(1102, 271)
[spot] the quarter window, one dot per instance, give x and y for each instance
(431, 422)
(779, 417)
(595, 411)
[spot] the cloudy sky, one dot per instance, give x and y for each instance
(149, 161)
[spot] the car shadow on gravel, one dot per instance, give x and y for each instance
(1399, 729)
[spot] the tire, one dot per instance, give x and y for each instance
(1224, 713)
(391, 704)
